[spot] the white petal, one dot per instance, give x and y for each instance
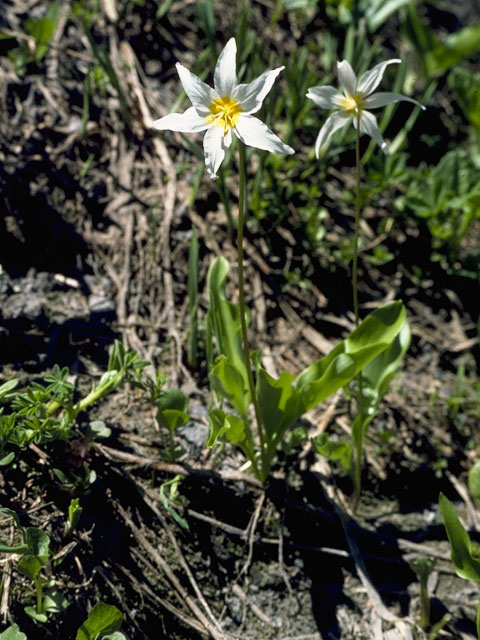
(382, 98)
(368, 125)
(225, 78)
(188, 122)
(369, 81)
(251, 95)
(200, 94)
(255, 133)
(346, 77)
(325, 97)
(215, 145)
(334, 122)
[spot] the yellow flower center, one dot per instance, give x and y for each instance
(352, 103)
(224, 113)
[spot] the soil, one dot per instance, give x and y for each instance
(94, 240)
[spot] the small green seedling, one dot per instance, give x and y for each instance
(34, 553)
(423, 568)
(74, 513)
(465, 557)
(172, 406)
(171, 500)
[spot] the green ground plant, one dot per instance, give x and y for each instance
(465, 557)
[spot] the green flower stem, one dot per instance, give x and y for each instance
(39, 592)
(241, 302)
(357, 480)
(357, 224)
(424, 604)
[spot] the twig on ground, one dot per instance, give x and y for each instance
(163, 565)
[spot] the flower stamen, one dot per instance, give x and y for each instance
(352, 103)
(224, 113)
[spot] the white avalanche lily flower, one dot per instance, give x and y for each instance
(357, 97)
(225, 109)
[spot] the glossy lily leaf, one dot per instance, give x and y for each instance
(225, 425)
(278, 401)
(223, 320)
(375, 334)
(466, 562)
(229, 383)
(376, 377)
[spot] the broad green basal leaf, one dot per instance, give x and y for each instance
(278, 401)
(223, 319)
(370, 338)
(229, 383)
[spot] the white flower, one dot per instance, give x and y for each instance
(357, 97)
(225, 109)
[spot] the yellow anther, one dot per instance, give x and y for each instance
(224, 113)
(352, 103)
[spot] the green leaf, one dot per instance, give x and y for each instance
(229, 383)
(97, 429)
(376, 377)
(38, 542)
(223, 320)
(465, 85)
(172, 405)
(103, 619)
(6, 388)
(466, 563)
(74, 513)
(43, 30)
(225, 425)
(13, 633)
(32, 612)
(338, 451)
(30, 566)
(171, 419)
(369, 339)
(6, 460)
(13, 514)
(171, 501)
(279, 403)
(54, 601)
(380, 10)
(437, 57)
(474, 480)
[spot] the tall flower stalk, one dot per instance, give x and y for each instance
(242, 210)
(223, 111)
(352, 105)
